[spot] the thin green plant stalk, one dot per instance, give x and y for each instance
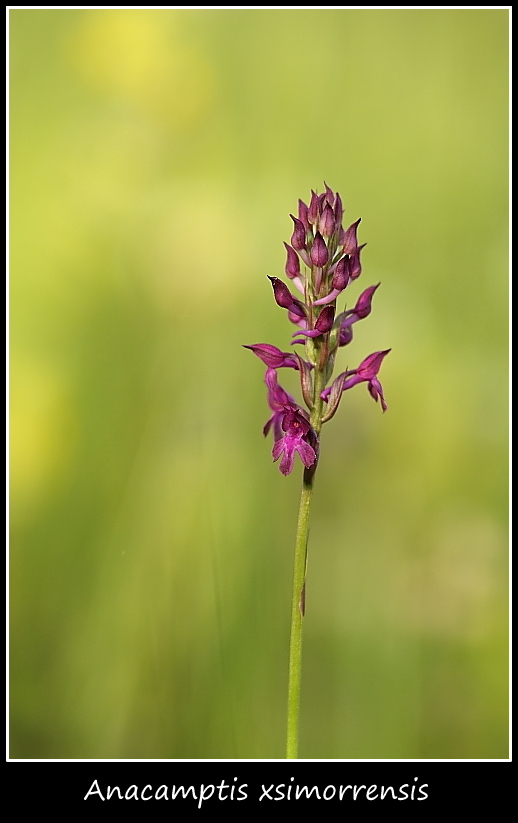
(297, 614)
(298, 601)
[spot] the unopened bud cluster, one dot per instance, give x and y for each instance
(322, 260)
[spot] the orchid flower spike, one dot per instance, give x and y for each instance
(322, 261)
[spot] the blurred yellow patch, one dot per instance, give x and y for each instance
(140, 55)
(41, 433)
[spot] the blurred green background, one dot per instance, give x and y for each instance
(155, 158)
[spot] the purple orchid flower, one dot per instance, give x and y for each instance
(367, 372)
(278, 401)
(296, 429)
(361, 310)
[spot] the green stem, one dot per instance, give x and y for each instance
(297, 613)
(299, 586)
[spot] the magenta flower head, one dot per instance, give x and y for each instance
(322, 263)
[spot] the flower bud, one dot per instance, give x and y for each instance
(326, 224)
(322, 326)
(345, 335)
(303, 214)
(339, 212)
(319, 254)
(298, 238)
(273, 357)
(341, 273)
(313, 210)
(292, 267)
(325, 319)
(282, 294)
(355, 266)
(363, 304)
(328, 196)
(349, 239)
